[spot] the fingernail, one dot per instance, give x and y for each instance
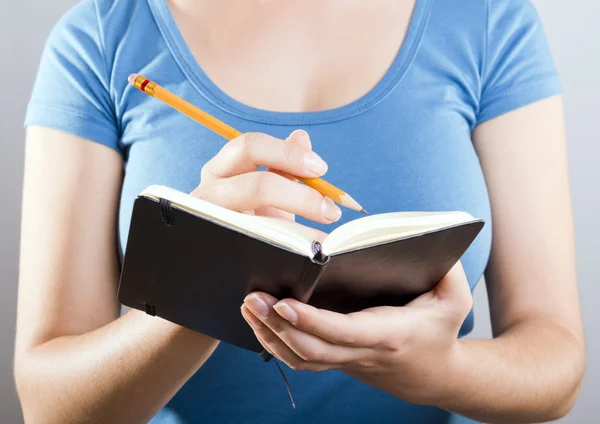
(286, 312)
(257, 305)
(314, 164)
(330, 210)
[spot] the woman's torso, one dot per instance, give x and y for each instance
(397, 139)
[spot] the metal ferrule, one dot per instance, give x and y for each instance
(144, 84)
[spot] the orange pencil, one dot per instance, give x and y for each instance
(212, 123)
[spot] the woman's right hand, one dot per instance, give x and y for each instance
(231, 179)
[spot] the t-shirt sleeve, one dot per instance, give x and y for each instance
(72, 87)
(518, 68)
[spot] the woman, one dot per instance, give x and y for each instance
(411, 105)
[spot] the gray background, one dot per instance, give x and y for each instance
(573, 30)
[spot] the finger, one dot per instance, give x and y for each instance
(308, 232)
(310, 348)
(301, 138)
(251, 150)
(365, 329)
(453, 284)
(283, 174)
(274, 213)
(276, 346)
(258, 189)
(257, 325)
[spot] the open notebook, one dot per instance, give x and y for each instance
(363, 232)
(193, 262)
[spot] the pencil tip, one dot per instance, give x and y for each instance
(132, 78)
(349, 202)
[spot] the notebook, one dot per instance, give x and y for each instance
(192, 262)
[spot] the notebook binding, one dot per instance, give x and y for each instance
(315, 247)
(166, 212)
(318, 255)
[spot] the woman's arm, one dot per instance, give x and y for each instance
(532, 369)
(75, 360)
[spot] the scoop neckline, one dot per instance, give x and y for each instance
(193, 71)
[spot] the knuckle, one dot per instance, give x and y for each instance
(290, 154)
(277, 327)
(320, 356)
(248, 143)
(463, 311)
(312, 355)
(366, 363)
(303, 353)
(348, 337)
(200, 191)
(260, 186)
(462, 306)
(348, 340)
(391, 345)
(319, 367)
(297, 365)
(467, 303)
(205, 172)
(395, 343)
(312, 199)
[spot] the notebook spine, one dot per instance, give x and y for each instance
(318, 256)
(311, 272)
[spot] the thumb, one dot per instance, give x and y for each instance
(300, 137)
(453, 290)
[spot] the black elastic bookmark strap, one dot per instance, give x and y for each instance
(266, 356)
(166, 212)
(287, 385)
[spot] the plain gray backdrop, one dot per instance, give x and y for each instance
(573, 31)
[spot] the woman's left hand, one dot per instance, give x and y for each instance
(407, 351)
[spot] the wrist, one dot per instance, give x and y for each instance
(445, 379)
(450, 381)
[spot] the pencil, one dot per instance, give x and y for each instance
(212, 123)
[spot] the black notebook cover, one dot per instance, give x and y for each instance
(196, 273)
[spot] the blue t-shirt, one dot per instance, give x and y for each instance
(404, 146)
